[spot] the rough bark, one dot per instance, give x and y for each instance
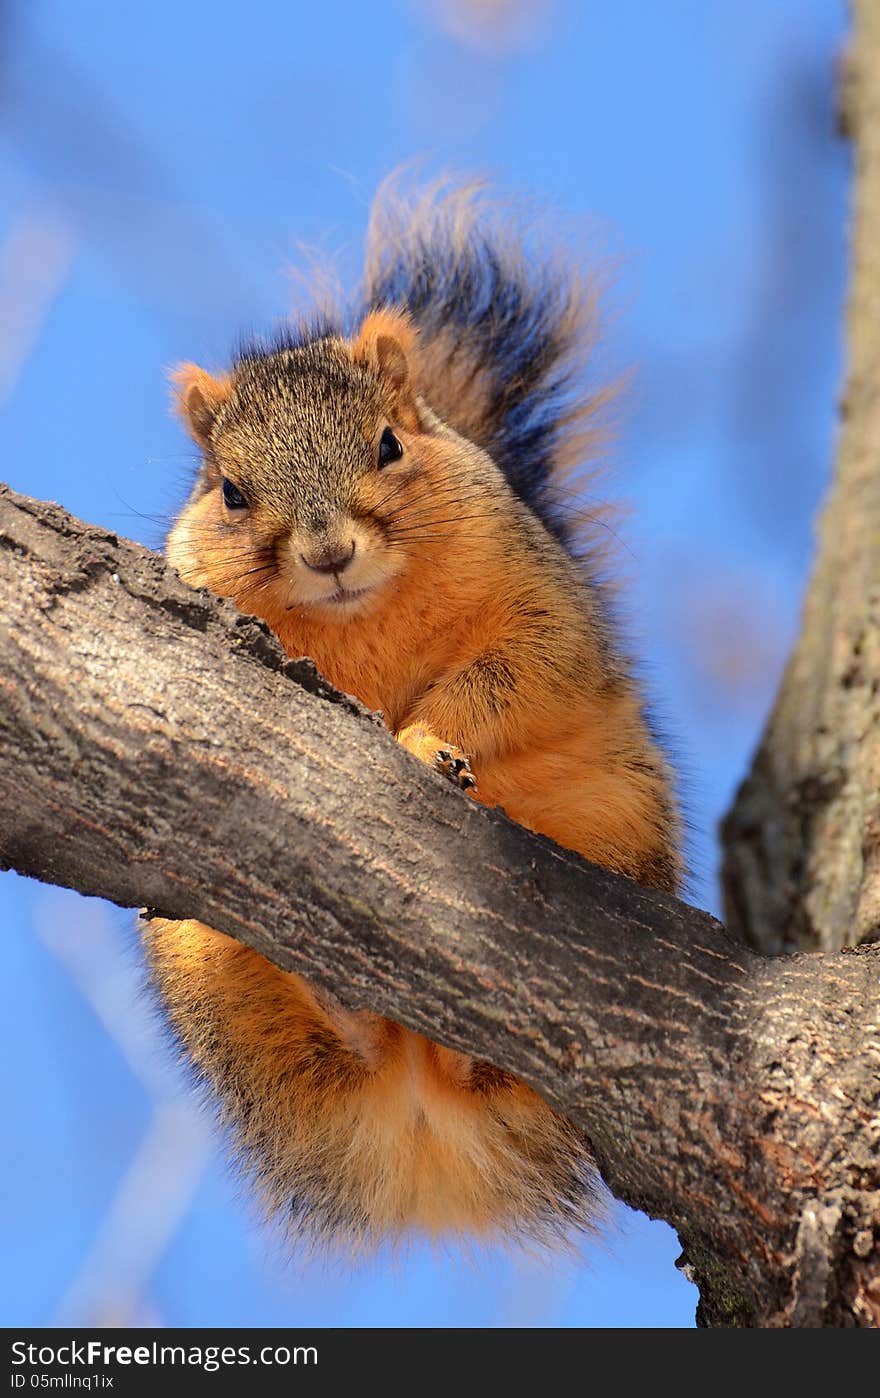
(802, 843)
(158, 748)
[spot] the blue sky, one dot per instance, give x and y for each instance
(161, 168)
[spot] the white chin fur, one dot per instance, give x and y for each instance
(343, 602)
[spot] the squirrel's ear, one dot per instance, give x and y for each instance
(386, 342)
(198, 398)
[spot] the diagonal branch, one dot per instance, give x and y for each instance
(158, 748)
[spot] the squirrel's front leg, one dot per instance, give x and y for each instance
(418, 738)
(473, 712)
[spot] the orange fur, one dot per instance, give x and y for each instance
(198, 397)
(386, 342)
(381, 1130)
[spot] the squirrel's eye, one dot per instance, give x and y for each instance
(389, 448)
(232, 496)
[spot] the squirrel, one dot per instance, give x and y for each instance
(383, 490)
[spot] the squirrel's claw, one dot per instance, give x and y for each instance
(453, 764)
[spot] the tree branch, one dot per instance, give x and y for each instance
(156, 747)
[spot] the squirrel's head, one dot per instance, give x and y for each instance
(317, 479)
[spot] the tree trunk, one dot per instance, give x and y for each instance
(802, 843)
(156, 747)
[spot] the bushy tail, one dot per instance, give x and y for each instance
(504, 334)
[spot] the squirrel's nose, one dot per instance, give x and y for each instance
(332, 559)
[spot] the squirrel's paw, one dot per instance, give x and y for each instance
(445, 757)
(452, 762)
